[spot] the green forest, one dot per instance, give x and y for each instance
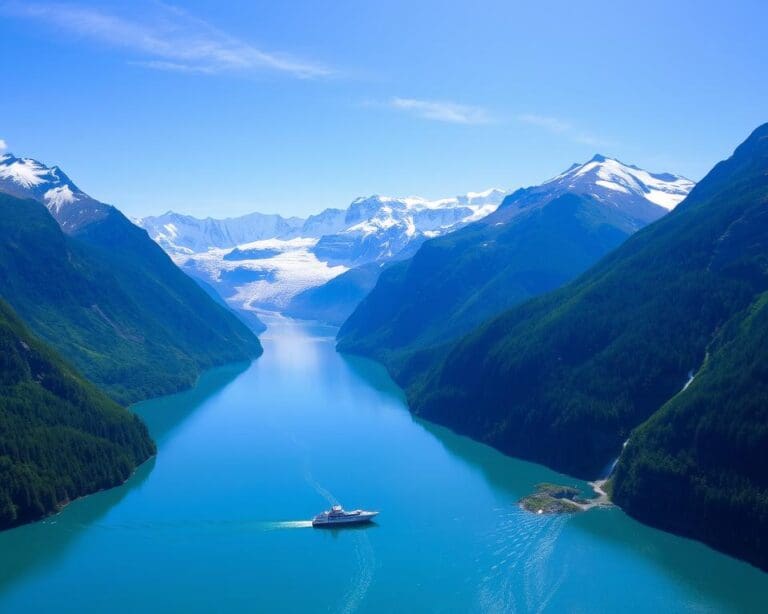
(60, 437)
(113, 303)
(533, 243)
(566, 378)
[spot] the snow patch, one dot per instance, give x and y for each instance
(56, 198)
(25, 172)
(293, 269)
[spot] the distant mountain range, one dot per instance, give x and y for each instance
(101, 292)
(264, 261)
(538, 239)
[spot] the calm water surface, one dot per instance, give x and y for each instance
(217, 522)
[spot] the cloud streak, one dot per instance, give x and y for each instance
(3, 145)
(560, 127)
(173, 40)
(441, 111)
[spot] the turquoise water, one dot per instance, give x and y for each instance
(217, 522)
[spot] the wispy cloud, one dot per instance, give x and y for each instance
(442, 111)
(3, 145)
(171, 40)
(561, 127)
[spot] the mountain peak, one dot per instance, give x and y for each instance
(606, 178)
(28, 178)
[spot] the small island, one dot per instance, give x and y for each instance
(556, 499)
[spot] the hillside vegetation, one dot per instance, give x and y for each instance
(565, 379)
(60, 437)
(112, 302)
(539, 239)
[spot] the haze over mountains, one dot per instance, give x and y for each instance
(261, 261)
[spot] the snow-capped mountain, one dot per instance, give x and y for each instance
(177, 233)
(262, 260)
(326, 222)
(379, 228)
(624, 185)
(371, 228)
(539, 239)
(28, 178)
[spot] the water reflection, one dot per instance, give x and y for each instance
(42, 543)
(718, 579)
(739, 585)
(169, 413)
(223, 521)
(374, 375)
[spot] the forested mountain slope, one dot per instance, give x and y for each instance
(112, 302)
(565, 379)
(539, 238)
(60, 437)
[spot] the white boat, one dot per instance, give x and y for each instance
(337, 516)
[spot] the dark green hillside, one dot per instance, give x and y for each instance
(60, 437)
(456, 282)
(565, 378)
(698, 465)
(113, 303)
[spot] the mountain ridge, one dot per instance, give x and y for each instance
(100, 291)
(568, 378)
(288, 259)
(539, 238)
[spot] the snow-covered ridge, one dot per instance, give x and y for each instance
(178, 233)
(662, 189)
(28, 178)
(263, 260)
(27, 173)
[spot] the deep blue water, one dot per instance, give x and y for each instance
(217, 522)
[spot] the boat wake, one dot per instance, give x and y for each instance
(203, 526)
(520, 577)
(364, 555)
(288, 524)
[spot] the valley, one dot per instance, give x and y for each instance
(450, 536)
(357, 307)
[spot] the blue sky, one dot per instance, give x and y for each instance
(219, 108)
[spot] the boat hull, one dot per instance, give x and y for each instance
(329, 523)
